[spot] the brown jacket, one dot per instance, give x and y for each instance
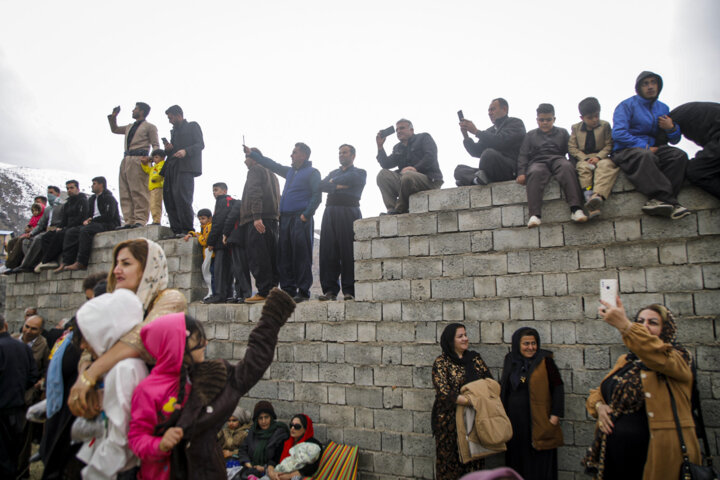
(261, 196)
(146, 135)
(664, 457)
(603, 141)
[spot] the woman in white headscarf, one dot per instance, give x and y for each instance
(140, 266)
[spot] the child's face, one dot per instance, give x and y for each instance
(203, 220)
(157, 159)
(545, 121)
(196, 347)
(233, 423)
(591, 120)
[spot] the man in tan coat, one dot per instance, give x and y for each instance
(140, 138)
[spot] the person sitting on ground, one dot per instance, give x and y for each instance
(264, 444)
(204, 216)
(590, 145)
(153, 166)
(641, 132)
(417, 167)
(234, 433)
(543, 155)
(700, 122)
(74, 213)
(497, 147)
(102, 215)
(305, 462)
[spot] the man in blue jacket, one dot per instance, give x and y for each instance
(641, 132)
(300, 198)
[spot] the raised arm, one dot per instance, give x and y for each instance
(271, 165)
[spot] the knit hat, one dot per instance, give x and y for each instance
(242, 415)
(263, 406)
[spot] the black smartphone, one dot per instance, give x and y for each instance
(116, 110)
(461, 117)
(387, 132)
(164, 140)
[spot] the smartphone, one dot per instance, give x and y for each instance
(164, 140)
(461, 117)
(609, 291)
(387, 132)
(116, 110)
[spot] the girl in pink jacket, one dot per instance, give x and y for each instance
(176, 341)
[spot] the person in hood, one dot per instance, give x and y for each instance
(700, 122)
(641, 132)
(303, 461)
(456, 366)
(101, 322)
(138, 265)
(534, 399)
(264, 444)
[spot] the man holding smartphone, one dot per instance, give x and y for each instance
(140, 138)
(497, 147)
(417, 167)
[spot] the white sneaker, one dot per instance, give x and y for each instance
(534, 222)
(46, 266)
(578, 216)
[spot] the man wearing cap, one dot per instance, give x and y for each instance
(140, 137)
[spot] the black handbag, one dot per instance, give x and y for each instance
(692, 471)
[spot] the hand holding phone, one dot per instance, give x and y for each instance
(165, 140)
(116, 110)
(609, 291)
(461, 117)
(387, 131)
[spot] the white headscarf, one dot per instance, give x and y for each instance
(105, 319)
(155, 275)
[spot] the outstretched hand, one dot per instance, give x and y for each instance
(614, 316)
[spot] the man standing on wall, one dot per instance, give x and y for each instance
(183, 164)
(140, 138)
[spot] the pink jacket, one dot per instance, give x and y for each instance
(155, 398)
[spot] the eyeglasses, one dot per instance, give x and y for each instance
(296, 426)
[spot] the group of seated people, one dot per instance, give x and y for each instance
(59, 235)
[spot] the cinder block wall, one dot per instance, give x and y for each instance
(361, 369)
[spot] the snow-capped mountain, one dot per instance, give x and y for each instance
(20, 185)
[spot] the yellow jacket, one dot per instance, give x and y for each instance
(155, 180)
(202, 236)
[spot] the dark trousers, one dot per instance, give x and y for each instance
(178, 189)
(222, 276)
(704, 169)
(261, 249)
(34, 252)
(497, 167)
(336, 249)
(539, 173)
(14, 253)
(295, 254)
(656, 175)
(240, 270)
(52, 244)
(78, 243)
(12, 423)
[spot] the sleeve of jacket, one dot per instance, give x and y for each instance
(153, 134)
(254, 185)
(573, 148)
(271, 165)
(232, 217)
(564, 142)
(524, 156)
(443, 389)
(429, 154)
(475, 149)
(33, 371)
(196, 140)
(656, 354)
(42, 223)
(621, 129)
(244, 450)
(352, 177)
(316, 196)
(557, 388)
(219, 217)
(109, 214)
(606, 150)
(512, 132)
(386, 161)
(142, 425)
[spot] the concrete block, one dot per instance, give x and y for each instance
(331, 373)
(366, 332)
(518, 262)
(420, 289)
(480, 197)
(414, 268)
(313, 331)
(222, 331)
(336, 311)
(311, 312)
(584, 380)
(632, 281)
(484, 287)
(418, 355)
(685, 277)
(635, 301)
(555, 284)
(704, 250)
(486, 219)
(567, 357)
(419, 246)
(310, 353)
(399, 465)
(681, 304)
(426, 332)
(527, 285)
(340, 332)
(485, 264)
(553, 260)
(425, 224)
(450, 243)
(673, 254)
(366, 228)
(362, 250)
(663, 228)
(589, 233)
(392, 269)
(511, 239)
(419, 445)
(359, 354)
(368, 270)
(363, 438)
(392, 397)
(336, 352)
(641, 255)
(543, 328)
(311, 392)
(446, 288)
(364, 418)
(557, 308)
(513, 216)
(447, 222)
(507, 193)
(419, 400)
(709, 222)
(390, 247)
(596, 332)
(597, 358)
(521, 308)
(449, 199)
(491, 332)
(492, 310)
(285, 371)
(591, 258)
(711, 276)
(392, 311)
(453, 311)
(337, 415)
(551, 236)
(481, 241)
(452, 266)
(422, 311)
(422, 377)
(423, 467)
(363, 311)
(421, 422)
(627, 230)
(588, 282)
(364, 376)
(392, 355)
(363, 292)
(388, 226)
(221, 350)
(394, 375)
(418, 202)
(396, 332)
(310, 373)
(696, 330)
(707, 302)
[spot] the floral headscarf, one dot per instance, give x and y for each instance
(155, 275)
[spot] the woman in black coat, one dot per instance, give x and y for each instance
(264, 443)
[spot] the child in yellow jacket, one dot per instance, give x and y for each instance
(152, 167)
(205, 217)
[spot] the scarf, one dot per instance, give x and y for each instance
(522, 366)
(290, 442)
(447, 343)
(262, 437)
(54, 387)
(627, 393)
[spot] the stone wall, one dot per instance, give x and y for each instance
(361, 369)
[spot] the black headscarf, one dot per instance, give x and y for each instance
(447, 343)
(520, 365)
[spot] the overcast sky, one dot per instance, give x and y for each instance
(327, 73)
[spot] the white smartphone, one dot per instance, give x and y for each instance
(609, 291)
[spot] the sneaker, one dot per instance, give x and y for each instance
(594, 203)
(327, 297)
(300, 298)
(593, 214)
(534, 222)
(481, 178)
(255, 299)
(46, 266)
(679, 212)
(212, 300)
(656, 207)
(348, 298)
(578, 216)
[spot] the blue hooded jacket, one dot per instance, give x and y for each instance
(635, 121)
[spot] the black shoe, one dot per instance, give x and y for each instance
(212, 299)
(348, 298)
(300, 298)
(179, 235)
(137, 225)
(390, 212)
(327, 297)
(481, 178)
(124, 227)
